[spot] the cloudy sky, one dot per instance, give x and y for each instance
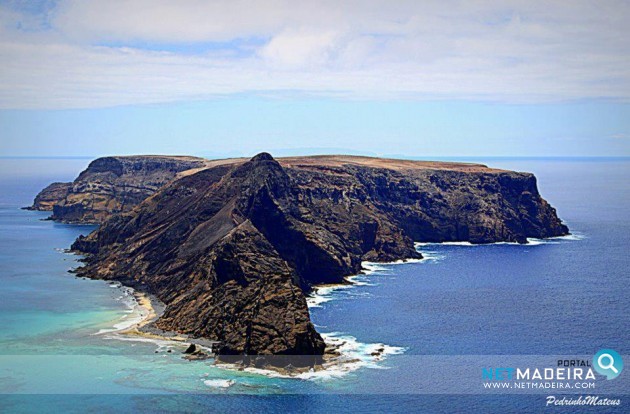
(434, 78)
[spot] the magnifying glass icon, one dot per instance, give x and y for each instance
(610, 365)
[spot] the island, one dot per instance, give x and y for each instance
(232, 247)
(112, 185)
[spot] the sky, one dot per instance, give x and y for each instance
(386, 78)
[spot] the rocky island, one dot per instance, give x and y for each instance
(111, 185)
(232, 246)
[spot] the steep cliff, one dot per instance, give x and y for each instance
(111, 185)
(231, 249)
(54, 194)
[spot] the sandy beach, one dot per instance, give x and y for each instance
(340, 357)
(150, 309)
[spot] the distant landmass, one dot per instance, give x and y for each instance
(111, 185)
(232, 246)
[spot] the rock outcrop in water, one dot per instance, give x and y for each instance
(231, 249)
(111, 185)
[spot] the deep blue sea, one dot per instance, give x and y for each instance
(439, 320)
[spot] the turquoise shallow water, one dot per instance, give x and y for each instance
(566, 297)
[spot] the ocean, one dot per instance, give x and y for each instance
(433, 323)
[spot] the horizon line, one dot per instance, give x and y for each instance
(392, 156)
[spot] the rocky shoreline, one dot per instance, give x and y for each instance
(198, 349)
(111, 185)
(233, 248)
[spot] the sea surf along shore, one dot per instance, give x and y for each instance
(232, 249)
(553, 288)
(344, 352)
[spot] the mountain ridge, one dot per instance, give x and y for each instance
(232, 248)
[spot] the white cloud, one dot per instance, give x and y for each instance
(114, 52)
(299, 49)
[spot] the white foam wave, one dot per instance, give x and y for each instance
(537, 242)
(360, 280)
(219, 383)
(405, 261)
(448, 243)
(556, 240)
(134, 313)
(323, 294)
(371, 267)
(530, 242)
(433, 257)
(353, 356)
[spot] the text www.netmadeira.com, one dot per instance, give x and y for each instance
(539, 385)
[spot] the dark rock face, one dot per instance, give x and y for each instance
(196, 246)
(437, 205)
(231, 249)
(111, 185)
(51, 195)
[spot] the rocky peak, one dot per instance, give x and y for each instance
(260, 174)
(103, 165)
(232, 249)
(263, 156)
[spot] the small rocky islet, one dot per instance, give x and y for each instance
(232, 247)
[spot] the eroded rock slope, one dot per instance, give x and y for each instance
(231, 249)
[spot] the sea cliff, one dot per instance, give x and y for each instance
(111, 185)
(231, 248)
